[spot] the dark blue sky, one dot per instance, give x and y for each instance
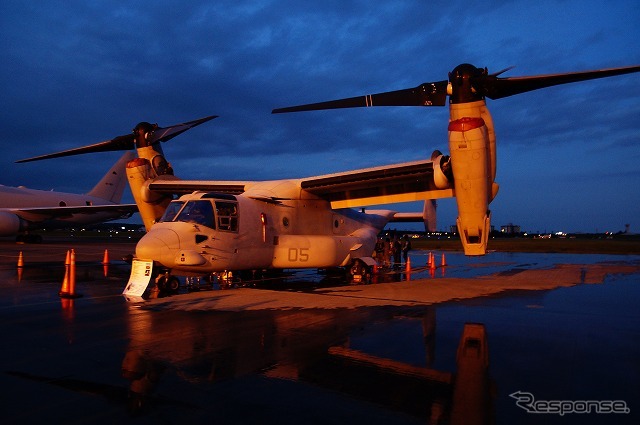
(78, 72)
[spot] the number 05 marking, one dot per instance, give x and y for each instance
(299, 254)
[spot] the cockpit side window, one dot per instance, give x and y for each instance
(227, 213)
(199, 212)
(172, 210)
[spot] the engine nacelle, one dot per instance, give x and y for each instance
(150, 205)
(468, 144)
(10, 224)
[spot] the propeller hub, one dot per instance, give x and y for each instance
(143, 132)
(463, 79)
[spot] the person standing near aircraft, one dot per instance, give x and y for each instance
(379, 250)
(406, 247)
(387, 253)
(397, 251)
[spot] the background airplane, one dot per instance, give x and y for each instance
(23, 210)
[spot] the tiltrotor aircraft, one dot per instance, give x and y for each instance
(221, 226)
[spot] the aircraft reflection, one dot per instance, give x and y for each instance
(311, 346)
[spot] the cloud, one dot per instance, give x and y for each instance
(79, 72)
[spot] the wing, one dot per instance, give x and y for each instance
(50, 213)
(404, 182)
(188, 186)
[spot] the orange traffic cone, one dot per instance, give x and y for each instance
(444, 261)
(432, 261)
(65, 282)
(407, 265)
(71, 292)
(72, 273)
(105, 263)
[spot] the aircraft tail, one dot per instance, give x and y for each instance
(111, 186)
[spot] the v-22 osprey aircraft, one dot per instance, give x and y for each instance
(221, 226)
(229, 226)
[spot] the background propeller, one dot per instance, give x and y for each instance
(466, 83)
(154, 134)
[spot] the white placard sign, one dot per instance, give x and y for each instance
(139, 278)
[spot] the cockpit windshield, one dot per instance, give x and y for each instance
(172, 210)
(200, 212)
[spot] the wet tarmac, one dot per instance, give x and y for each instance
(561, 330)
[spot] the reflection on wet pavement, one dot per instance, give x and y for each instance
(99, 359)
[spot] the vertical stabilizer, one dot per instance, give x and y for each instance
(111, 186)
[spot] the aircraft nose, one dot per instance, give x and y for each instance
(158, 245)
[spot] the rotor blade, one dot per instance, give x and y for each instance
(427, 94)
(163, 134)
(495, 88)
(125, 142)
(119, 143)
(502, 71)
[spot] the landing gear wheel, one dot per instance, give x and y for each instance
(167, 283)
(359, 273)
(173, 284)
